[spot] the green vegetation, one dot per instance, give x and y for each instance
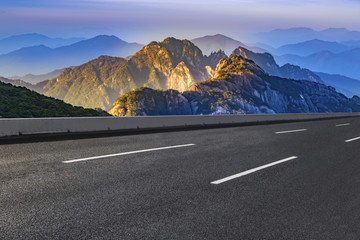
(19, 102)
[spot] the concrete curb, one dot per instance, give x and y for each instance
(42, 126)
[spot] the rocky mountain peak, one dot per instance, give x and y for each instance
(265, 60)
(214, 58)
(170, 64)
(236, 65)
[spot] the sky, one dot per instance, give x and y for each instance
(146, 20)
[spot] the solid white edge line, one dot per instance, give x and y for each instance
(353, 139)
(291, 131)
(127, 153)
(252, 170)
(343, 125)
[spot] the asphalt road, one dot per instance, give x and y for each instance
(142, 187)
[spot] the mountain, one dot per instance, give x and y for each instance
(347, 86)
(213, 43)
(16, 42)
(38, 87)
(151, 102)
(264, 46)
(352, 44)
(267, 62)
(19, 102)
(345, 63)
(214, 58)
(18, 83)
(34, 79)
(239, 86)
(40, 59)
(279, 37)
(310, 47)
(298, 73)
(170, 64)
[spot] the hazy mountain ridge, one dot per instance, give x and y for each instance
(347, 86)
(310, 47)
(40, 59)
(16, 42)
(212, 43)
(34, 79)
(238, 86)
(279, 37)
(345, 63)
(17, 82)
(352, 43)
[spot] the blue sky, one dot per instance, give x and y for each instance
(147, 20)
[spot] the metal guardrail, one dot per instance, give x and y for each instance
(35, 126)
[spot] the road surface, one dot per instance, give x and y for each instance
(281, 181)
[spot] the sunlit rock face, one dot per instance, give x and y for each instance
(239, 86)
(170, 64)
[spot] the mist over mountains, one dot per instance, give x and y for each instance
(310, 47)
(211, 43)
(16, 42)
(279, 37)
(345, 63)
(34, 79)
(42, 59)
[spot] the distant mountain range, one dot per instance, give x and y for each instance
(41, 59)
(345, 63)
(310, 47)
(19, 102)
(347, 86)
(279, 37)
(239, 86)
(352, 44)
(16, 42)
(34, 79)
(213, 43)
(38, 87)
